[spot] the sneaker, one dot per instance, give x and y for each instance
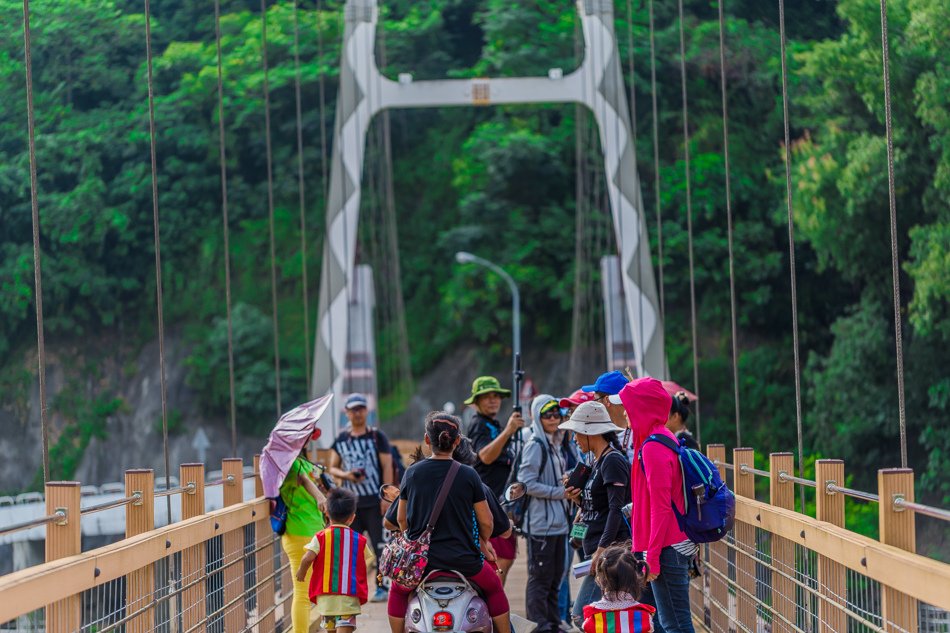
(381, 595)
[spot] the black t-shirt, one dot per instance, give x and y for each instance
(453, 544)
(483, 432)
(611, 473)
(363, 452)
(498, 515)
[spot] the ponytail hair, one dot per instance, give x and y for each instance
(442, 430)
(680, 405)
(619, 571)
(612, 440)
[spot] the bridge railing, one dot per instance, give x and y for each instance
(784, 571)
(212, 571)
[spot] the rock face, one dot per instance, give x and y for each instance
(132, 435)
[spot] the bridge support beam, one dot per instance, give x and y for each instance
(744, 485)
(898, 528)
(193, 559)
(232, 551)
(831, 574)
(140, 518)
(364, 92)
(719, 560)
(63, 538)
(782, 495)
(264, 560)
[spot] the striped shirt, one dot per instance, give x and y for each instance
(362, 453)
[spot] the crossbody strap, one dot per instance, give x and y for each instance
(443, 495)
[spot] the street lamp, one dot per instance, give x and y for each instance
(463, 257)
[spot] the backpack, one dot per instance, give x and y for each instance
(517, 510)
(278, 515)
(710, 505)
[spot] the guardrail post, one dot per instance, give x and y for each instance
(264, 557)
(898, 528)
(63, 538)
(193, 559)
(746, 550)
(782, 495)
(140, 518)
(719, 560)
(831, 574)
(232, 470)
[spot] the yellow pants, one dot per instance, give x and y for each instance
(300, 609)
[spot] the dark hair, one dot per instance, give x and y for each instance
(464, 453)
(612, 440)
(341, 504)
(680, 405)
(619, 571)
(443, 429)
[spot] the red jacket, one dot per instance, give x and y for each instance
(340, 567)
(635, 619)
(653, 523)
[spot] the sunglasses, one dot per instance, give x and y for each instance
(551, 415)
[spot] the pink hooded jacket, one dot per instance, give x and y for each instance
(654, 525)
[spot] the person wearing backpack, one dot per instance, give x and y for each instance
(656, 485)
(545, 525)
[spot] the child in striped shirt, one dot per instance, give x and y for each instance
(340, 557)
(621, 578)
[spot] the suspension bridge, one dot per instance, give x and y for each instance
(199, 553)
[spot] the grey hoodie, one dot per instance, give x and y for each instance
(547, 509)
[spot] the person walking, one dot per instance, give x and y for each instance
(362, 459)
(603, 495)
(305, 518)
(657, 484)
(496, 447)
(545, 523)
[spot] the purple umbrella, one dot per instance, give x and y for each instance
(291, 432)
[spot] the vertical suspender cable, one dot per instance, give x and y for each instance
(270, 208)
(303, 200)
(732, 274)
(225, 222)
(156, 234)
(895, 263)
(37, 267)
(631, 68)
(689, 219)
(656, 165)
(791, 249)
(323, 104)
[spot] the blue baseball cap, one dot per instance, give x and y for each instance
(356, 400)
(610, 383)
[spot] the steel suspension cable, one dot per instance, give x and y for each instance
(895, 260)
(303, 199)
(631, 69)
(323, 105)
(225, 222)
(270, 208)
(791, 248)
(37, 262)
(729, 232)
(156, 236)
(656, 164)
(689, 218)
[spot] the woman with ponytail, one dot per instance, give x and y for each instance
(460, 540)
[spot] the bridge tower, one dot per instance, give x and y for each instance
(364, 92)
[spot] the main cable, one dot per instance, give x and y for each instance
(656, 165)
(303, 199)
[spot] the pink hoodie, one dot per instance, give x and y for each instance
(654, 525)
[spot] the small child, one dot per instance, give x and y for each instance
(621, 578)
(340, 558)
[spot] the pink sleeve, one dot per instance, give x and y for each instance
(659, 473)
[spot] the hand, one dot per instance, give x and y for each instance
(515, 423)
(301, 574)
(487, 550)
(573, 494)
(651, 577)
(355, 476)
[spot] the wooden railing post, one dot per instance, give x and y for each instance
(264, 557)
(719, 560)
(193, 559)
(831, 574)
(898, 528)
(744, 486)
(232, 470)
(782, 495)
(140, 518)
(63, 538)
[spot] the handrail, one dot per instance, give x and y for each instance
(57, 517)
(115, 503)
(785, 478)
(187, 488)
(224, 480)
(832, 488)
(745, 469)
(900, 504)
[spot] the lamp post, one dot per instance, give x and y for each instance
(463, 257)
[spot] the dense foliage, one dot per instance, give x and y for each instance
(500, 182)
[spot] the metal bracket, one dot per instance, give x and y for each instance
(138, 497)
(898, 502)
(830, 487)
(191, 488)
(783, 476)
(65, 513)
(229, 480)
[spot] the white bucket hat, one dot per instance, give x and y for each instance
(590, 418)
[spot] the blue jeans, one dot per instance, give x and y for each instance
(587, 593)
(671, 592)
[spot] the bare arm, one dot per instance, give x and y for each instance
(305, 563)
(386, 465)
(402, 516)
(311, 487)
(493, 450)
(334, 468)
